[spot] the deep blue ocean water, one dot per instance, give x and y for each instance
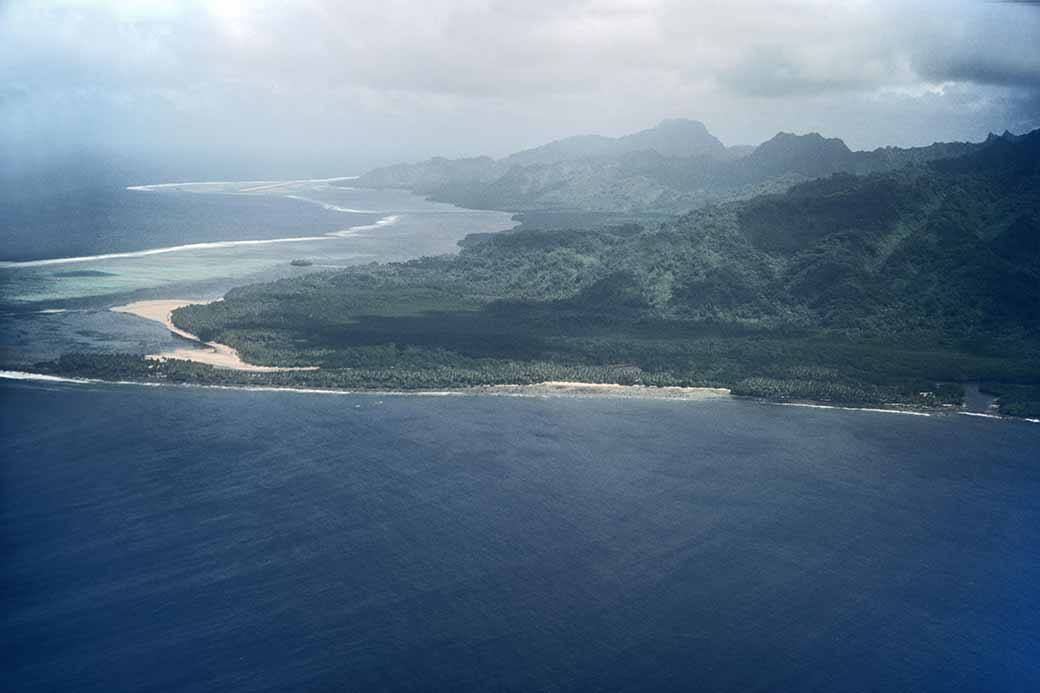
(164, 538)
(159, 539)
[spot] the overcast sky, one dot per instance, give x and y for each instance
(326, 86)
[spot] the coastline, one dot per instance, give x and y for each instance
(567, 388)
(536, 390)
(211, 354)
(225, 358)
(546, 390)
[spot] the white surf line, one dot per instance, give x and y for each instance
(998, 417)
(41, 377)
(151, 187)
(278, 184)
(980, 415)
(834, 406)
(259, 184)
(329, 206)
(158, 251)
(212, 245)
(25, 375)
(385, 221)
(471, 392)
(42, 311)
(462, 392)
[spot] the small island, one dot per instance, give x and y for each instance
(301, 263)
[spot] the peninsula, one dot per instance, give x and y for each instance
(895, 286)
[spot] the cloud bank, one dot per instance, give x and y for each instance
(325, 87)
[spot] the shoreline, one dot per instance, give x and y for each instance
(546, 390)
(211, 353)
(569, 388)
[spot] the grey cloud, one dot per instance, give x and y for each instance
(343, 85)
(779, 71)
(988, 72)
(988, 43)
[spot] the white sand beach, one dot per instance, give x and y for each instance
(568, 388)
(212, 353)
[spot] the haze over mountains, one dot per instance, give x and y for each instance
(671, 168)
(676, 137)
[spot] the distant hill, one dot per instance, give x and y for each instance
(674, 167)
(809, 155)
(677, 137)
(433, 174)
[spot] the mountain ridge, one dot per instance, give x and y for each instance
(676, 136)
(671, 168)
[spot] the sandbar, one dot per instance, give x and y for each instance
(210, 353)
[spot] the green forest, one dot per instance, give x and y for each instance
(892, 287)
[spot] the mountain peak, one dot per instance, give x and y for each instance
(808, 141)
(680, 123)
(810, 138)
(1007, 136)
(675, 137)
(679, 137)
(810, 154)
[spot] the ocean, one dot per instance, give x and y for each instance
(62, 270)
(159, 538)
(180, 538)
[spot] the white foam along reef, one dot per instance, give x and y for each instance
(385, 221)
(870, 409)
(41, 377)
(255, 185)
(156, 251)
(327, 205)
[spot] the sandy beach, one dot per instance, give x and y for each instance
(568, 388)
(209, 353)
(223, 356)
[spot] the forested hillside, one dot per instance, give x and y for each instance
(872, 288)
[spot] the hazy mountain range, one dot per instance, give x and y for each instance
(671, 168)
